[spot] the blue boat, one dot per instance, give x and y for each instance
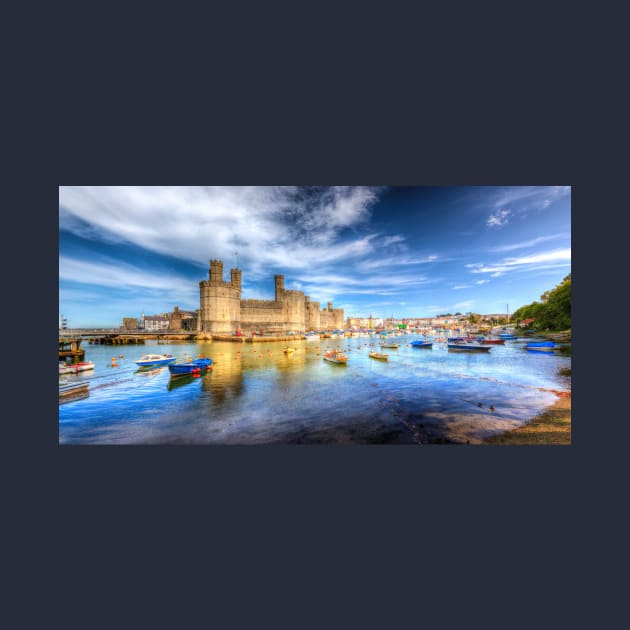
(191, 367)
(422, 344)
(507, 336)
(155, 359)
(177, 369)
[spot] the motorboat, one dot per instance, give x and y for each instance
(469, 346)
(75, 368)
(422, 344)
(155, 359)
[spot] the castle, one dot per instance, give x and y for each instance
(222, 310)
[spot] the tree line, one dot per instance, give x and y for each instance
(553, 312)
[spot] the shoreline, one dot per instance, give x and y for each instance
(551, 426)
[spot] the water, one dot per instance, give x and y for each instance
(256, 394)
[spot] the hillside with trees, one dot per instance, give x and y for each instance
(553, 312)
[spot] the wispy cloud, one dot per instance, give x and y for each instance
(283, 226)
(499, 218)
(561, 256)
(530, 243)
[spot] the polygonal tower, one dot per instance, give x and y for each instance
(220, 301)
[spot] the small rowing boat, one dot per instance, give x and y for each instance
(389, 344)
(379, 355)
(336, 356)
(289, 350)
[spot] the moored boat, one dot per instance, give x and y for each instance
(75, 368)
(177, 369)
(336, 356)
(379, 355)
(507, 336)
(422, 344)
(540, 346)
(492, 341)
(289, 350)
(155, 359)
(389, 344)
(469, 346)
(203, 363)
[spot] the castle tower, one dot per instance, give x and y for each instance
(279, 287)
(216, 271)
(235, 278)
(220, 301)
(330, 308)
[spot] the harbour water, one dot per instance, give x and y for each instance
(257, 394)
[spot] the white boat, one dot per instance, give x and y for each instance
(312, 337)
(155, 359)
(379, 355)
(75, 368)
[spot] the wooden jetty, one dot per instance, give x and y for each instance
(70, 347)
(72, 391)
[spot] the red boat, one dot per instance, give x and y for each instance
(493, 341)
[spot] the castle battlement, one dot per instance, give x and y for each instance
(252, 303)
(223, 311)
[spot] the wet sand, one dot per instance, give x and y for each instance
(552, 426)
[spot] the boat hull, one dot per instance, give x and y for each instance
(421, 344)
(379, 356)
(75, 368)
(162, 361)
(178, 369)
(467, 347)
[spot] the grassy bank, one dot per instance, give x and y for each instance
(552, 426)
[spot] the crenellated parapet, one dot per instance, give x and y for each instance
(223, 311)
(251, 303)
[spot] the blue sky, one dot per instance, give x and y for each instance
(402, 251)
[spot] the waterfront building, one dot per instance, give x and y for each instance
(222, 311)
(156, 322)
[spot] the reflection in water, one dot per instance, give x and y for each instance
(257, 394)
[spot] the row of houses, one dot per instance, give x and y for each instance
(177, 320)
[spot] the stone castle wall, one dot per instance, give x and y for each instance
(222, 309)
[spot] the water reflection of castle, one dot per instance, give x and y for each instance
(222, 310)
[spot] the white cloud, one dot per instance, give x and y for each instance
(123, 276)
(499, 218)
(530, 243)
(523, 263)
(283, 226)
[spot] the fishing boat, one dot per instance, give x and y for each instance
(177, 369)
(75, 368)
(389, 344)
(379, 355)
(155, 359)
(336, 356)
(469, 346)
(422, 344)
